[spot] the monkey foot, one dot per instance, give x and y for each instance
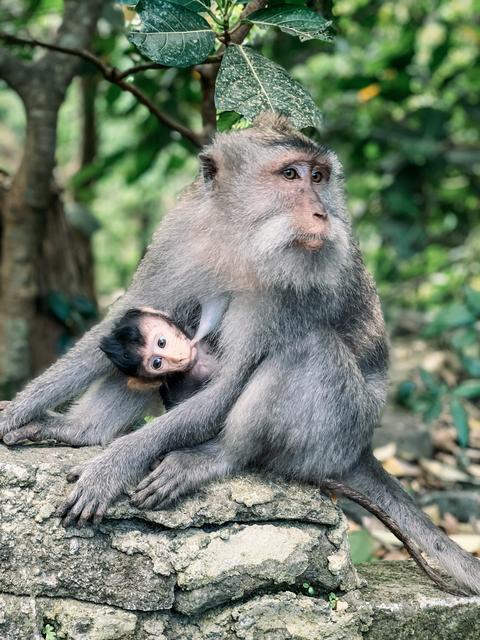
(164, 485)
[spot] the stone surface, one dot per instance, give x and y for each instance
(404, 604)
(231, 563)
(183, 558)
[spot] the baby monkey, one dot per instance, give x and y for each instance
(153, 351)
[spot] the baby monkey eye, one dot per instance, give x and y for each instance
(162, 342)
(290, 173)
(156, 363)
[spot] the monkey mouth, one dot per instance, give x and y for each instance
(310, 241)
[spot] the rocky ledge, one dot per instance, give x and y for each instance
(237, 560)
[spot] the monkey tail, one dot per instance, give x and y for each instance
(370, 478)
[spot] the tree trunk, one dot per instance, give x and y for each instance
(24, 218)
(42, 85)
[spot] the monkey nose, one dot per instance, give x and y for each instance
(320, 215)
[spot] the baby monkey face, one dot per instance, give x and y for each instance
(167, 349)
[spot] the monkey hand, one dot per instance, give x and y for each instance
(98, 483)
(12, 416)
(170, 480)
(48, 427)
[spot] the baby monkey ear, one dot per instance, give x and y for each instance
(208, 167)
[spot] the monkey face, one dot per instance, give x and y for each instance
(280, 208)
(166, 349)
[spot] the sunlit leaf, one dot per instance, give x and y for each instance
(294, 20)
(249, 83)
(226, 120)
(172, 35)
(460, 420)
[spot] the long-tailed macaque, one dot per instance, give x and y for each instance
(302, 350)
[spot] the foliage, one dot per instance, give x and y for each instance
(175, 34)
(457, 328)
(48, 632)
(362, 546)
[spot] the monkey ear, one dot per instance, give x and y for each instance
(208, 167)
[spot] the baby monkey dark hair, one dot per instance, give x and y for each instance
(122, 346)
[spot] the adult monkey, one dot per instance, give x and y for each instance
(303, 356)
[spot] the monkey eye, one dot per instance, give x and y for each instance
(156, 363)
(290, 173)
(162, 342)
(317, 175)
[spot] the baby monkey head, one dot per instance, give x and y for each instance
(279, 198)
(146, 343)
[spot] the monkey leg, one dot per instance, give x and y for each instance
(179, 473)
(127, 460)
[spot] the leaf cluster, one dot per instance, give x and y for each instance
(457, 327)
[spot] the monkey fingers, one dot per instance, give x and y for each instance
(80, 508)
(4, 404)
(34, 432)
(160, 488)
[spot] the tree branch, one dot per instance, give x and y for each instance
(113, 75)
(12, 70)
(410, 545)
(241, 31)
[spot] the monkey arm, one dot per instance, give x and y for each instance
(129, 458)
(108, 408)
(68, 377)
(65, 379)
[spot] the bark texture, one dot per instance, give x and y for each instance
(42, 85)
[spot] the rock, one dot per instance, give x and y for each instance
(404, 604)
(192, 558)
(464, 504)
(234, 562)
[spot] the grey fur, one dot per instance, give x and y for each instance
(302, 350)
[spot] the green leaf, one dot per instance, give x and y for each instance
(227, 119)
(172, 35)
(451, 317)
(468, 389)
(471, 366)
(431, 383)
(472, 298)
(405, 391)
(460, 420)
(362, 546)
(249, 83)
(193, 5)
(434, 410)
(464, 338)
(296, 21)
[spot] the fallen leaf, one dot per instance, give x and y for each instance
(468, 541)
(474, 470)
(443, 472)
(400, 468)
(386, 452)
(450, 523)
(396, 554)
(433, 512)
